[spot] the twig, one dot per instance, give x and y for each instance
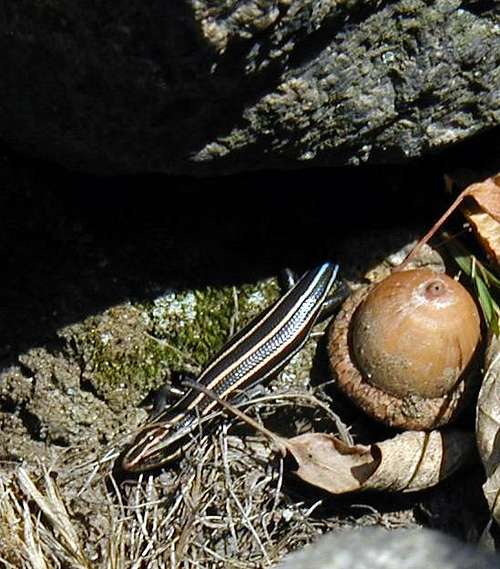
(280, 442)
(433, 229)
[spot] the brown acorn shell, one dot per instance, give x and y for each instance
(415, 333)
(407, 409)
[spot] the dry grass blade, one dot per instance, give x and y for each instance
(57, 515)
(222, 506)
(33, 549)
(11, 543)
(245, 518)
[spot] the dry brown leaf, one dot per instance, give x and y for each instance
(487, 231)
(487, 195)
(484, 214)
(411, 461)
(491, 493)
(488, 427)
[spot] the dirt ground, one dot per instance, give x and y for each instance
(109, 285)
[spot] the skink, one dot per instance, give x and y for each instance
(254, 354)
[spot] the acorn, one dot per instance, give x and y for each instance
(404, 349)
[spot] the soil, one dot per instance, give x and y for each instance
(111, 284)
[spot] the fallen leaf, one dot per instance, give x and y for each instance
(487, 195)
(488, 427)
(491, 493)
(411, 461)
(326, 462)
(484, 214)
(486, 229)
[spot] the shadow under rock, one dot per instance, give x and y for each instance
(73, 245)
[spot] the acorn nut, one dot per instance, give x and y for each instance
(403, 349)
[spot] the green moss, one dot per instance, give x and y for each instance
(130, 349)
(194, 325)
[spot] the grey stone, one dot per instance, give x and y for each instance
(376, 548)
(205, 87)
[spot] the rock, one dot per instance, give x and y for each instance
(204, 87)
(371, 548)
